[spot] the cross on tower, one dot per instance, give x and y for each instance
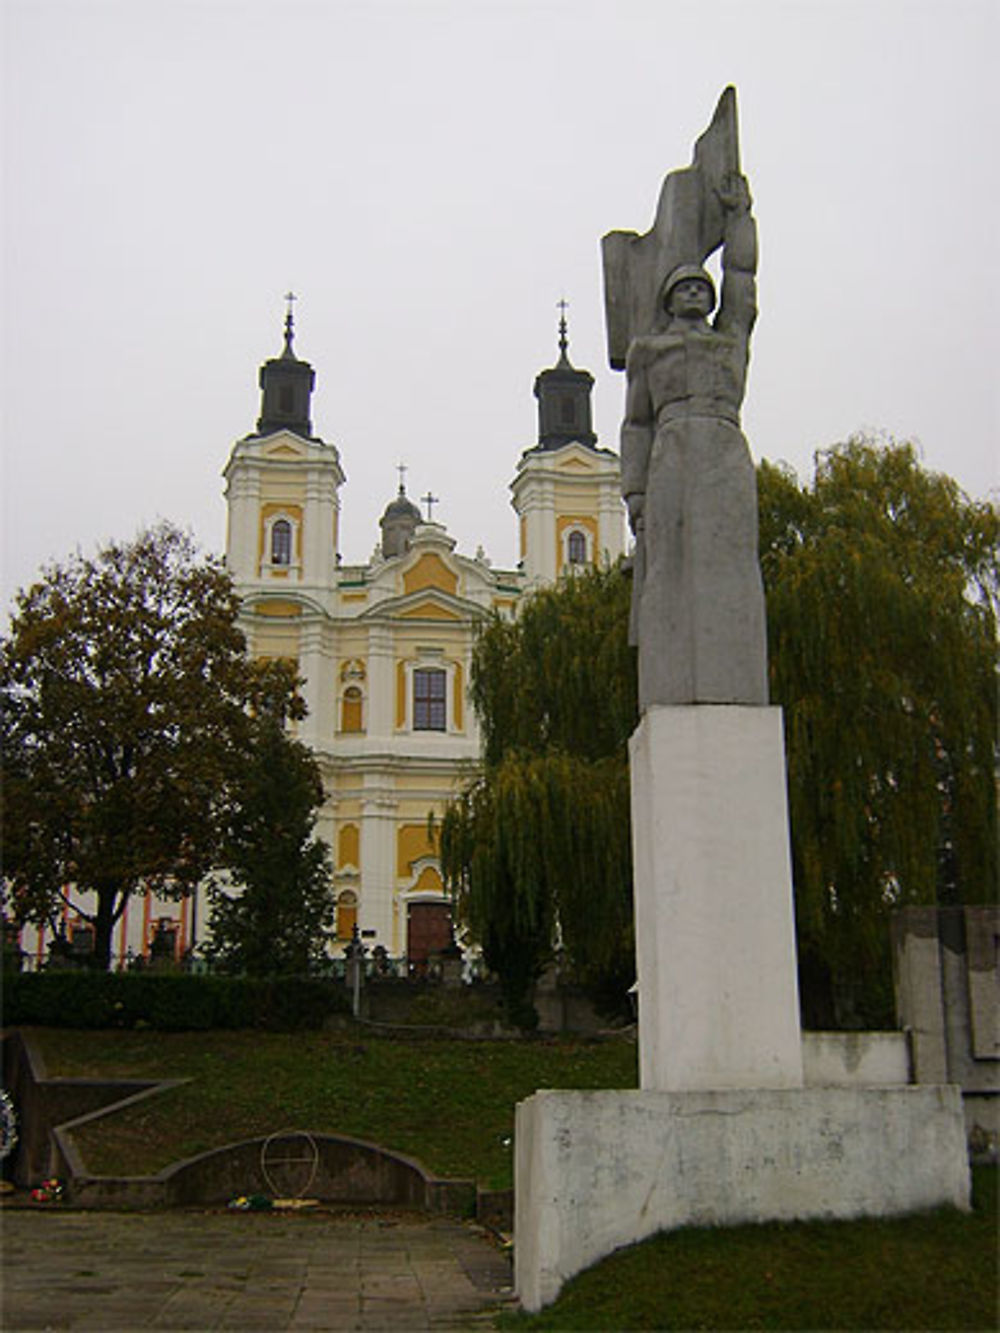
(429, 500)
(289, 322)
(402, 469)
(563, 305)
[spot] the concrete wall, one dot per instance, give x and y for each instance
(948, 1002)
(598, 1170)
(42, 1103)
(855, 1059)
(346, 1171)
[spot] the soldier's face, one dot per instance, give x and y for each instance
(690, 297)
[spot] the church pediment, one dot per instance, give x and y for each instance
(281, 450)
(430, 570)
(281, 608)
(428, 610)
(425, 604)
(285, 446)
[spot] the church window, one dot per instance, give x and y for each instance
(281, 542)
(286, 399)
(351, 710)
(568, 409)
(429, 699)
(576, 548)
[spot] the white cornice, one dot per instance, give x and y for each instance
(457, 757)
(256, 450)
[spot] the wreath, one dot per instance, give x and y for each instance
(8, 1125)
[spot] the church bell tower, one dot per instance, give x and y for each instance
(282, 487)
(566, 491)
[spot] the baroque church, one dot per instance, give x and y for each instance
(384, 648)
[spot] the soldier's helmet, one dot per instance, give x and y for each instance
(685, 273)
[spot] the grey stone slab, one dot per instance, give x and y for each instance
(390, 1319)
(124, 1319)
(207, 1271)
(340, 1320)
(316, 1302)
(35, 1320)
(267, 1319)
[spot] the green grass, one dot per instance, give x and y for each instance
(932, 1271)
(448, 1103)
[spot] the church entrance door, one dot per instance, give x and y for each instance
(428, 931)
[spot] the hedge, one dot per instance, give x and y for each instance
(169, 1003)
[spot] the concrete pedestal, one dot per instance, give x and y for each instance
(715, 928)
(598, 1170)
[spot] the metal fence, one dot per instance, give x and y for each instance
(375, 967)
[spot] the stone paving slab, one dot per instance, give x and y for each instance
(210, 1269)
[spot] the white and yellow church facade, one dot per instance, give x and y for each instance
(383, 648)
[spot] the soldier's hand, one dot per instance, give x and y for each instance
(734, 193)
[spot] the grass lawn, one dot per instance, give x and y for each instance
(448, 1103)
(932, 1271)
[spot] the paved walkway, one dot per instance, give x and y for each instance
(211, 1269)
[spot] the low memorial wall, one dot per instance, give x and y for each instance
(945, 966)
(599, 1170)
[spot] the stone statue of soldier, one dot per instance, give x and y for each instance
(687, 476)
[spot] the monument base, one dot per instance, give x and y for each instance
(599, 1170)
(714, 920)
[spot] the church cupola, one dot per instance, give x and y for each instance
(399, 522)
(563, 393)
(286, 388)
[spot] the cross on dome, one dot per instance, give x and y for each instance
(563, 306)
(290, 297)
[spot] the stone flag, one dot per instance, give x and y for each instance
(687, 228)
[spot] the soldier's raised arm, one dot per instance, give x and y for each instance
(738, 307)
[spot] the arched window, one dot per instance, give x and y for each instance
(576, 548)
(281, 542)
(351, 718)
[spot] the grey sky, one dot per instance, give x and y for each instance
(431, 176)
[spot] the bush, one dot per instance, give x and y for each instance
(169, 1003)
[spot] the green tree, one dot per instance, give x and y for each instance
(126, 698)
(536, 850)
(882, 586)
(882, 582)
(279, 918)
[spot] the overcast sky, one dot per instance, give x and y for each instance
(431, 177)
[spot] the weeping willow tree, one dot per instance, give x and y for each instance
(882, 584)
(882, 587)
(536, 850)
